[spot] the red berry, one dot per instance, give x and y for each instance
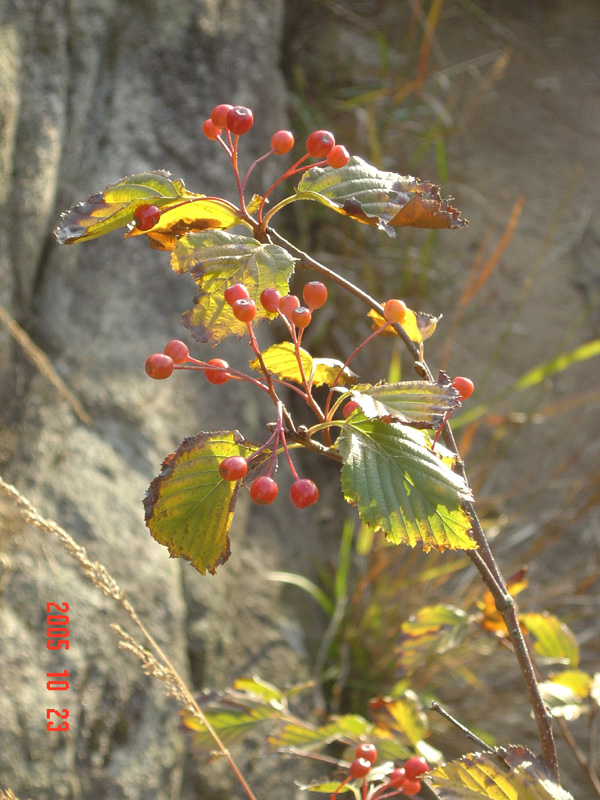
(282, 142)
(178, 351)
(235, 292)
(416, 766)
(159, 366)
(218, 115)
(263, 491)
(359, 768)
(394, 310)
(301, 317)
(350, 406)
(320, 143)
(304, 493)
(410, 787)
(217, 375)
(146, 217)
(464, 387)
(210, 130)
(270, 298)
(287, 304)
(233, 468)
(397, 777)
(239, 120)
(314, 294)
(368, 751)
(338, 156)
(244, 309)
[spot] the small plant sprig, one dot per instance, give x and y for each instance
(386, 437)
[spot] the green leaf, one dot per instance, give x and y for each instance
(280, 359)
(309, 737)
(402, 487)
(431, 631)
(384, 199)
(216, 259)
(484, 776)
(189, 507)
(554, 641)
(421, 404)
(105, 211)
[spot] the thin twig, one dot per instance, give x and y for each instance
(462, 728)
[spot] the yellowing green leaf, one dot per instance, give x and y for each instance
(418, 325)
(403, 488)
(189, 507)
(431, 631)
(421, 404)
(403, 717)
(553, 640)
(281, 360)
(566, 692)
(506, 774)
(309, 737)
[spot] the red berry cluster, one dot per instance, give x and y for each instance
(402, 780)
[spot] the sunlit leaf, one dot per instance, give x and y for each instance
(421, 404)
(257, 688)
(329, 787)
(216, 259)
(567, 692)
(304, 736)
(403, 488)
(189, 507)
(418, 325)
(491, 619)
(433, 630)
(384, 199)
(280, 359)
(511, 774)
(553, 640)
(403, 717)
(113, 208)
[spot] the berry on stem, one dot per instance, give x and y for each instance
(159, 366)
(359, 768)
(338, 156)
(394, 310)
(368, 751)
(397, 777)
(320, 143)
(282, 142)
(217, 375)
(239, 120)
(416, 766)
(210, 130)
(146, 217)
(263, 490)
(350, 406)
(314, 294)
(233, 468)
(410, 787)
(270, 298)
(304, 493)
(463, 386)
(218, 115)
(244, 309)
(301, 317)
(178, 351)
(237, 291)
(287, 304)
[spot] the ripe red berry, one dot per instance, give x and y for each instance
(146, 217)
(320, 143)
(410, 787)
(304, 493)
(263, 490)
(282, 142)
(235, 292)
(270, 298)
(217, 375)
(416, 766)
(287, 304)
(301, 317)
(338, 156)
(368, 751)
(359, 768)
(350, 406)
(314, 294)
(210, 130)
(159, 366)
(244, 309)
(178, 351)
(394, 310)
(463, 386)
(233, 468)
(397, 777)
(218, 115)
(239, 120)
